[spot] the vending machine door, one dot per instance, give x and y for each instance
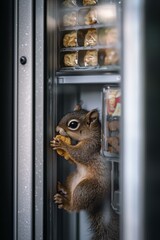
(28, 119)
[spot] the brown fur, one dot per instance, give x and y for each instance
(87, 188)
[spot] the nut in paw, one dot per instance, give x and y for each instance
(58, 144)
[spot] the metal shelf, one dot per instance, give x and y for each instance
(90, 79)
(89, 26)
(96, 47)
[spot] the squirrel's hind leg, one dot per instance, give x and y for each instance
(62, 197)
(62, 201)
(87, 195)
(61, 188)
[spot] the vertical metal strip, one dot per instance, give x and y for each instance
(25, 121)
(133, 121)
(51, 228)
(39, 118)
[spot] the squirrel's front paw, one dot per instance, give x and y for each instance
(57, 144)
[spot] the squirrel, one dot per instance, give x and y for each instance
(88, 187)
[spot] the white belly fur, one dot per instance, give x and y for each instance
(80, 175)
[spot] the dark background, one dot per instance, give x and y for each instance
(6, 119)
(152, 65)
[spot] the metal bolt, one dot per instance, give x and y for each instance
(23, 60)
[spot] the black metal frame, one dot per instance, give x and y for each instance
(6, 119)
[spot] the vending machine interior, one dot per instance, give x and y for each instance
(84, 64)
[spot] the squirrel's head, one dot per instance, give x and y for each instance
(80, 124)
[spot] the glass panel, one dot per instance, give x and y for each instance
(111, 121)
(88, 36)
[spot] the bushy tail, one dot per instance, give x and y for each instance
(104, 225)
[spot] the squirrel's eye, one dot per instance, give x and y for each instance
(73, 124)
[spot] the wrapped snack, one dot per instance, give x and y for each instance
(71, 59)
(61, 152)
(113, 125)
(111, 36)
(113, 144)
(114, 150)
(91, 58)
(111, 120)
(107, 13)
(91, 17)
(90, 38)
(114, 102)
(70, 19)
(111, 56)
(70, 39)
(108, 36)
(89, 2)
(70, 3)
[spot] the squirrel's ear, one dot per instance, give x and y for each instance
(77, 107)
(92, 116)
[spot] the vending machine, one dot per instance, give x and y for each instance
(69, 54)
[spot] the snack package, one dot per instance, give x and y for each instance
(61, 152)
(91, 58)
(91, 17)
(70, 39)
(113, 143)
(107, 13)
(71, 59)
(108, 36)
(113, 125)
(113, 102)
(69, 3)
(89, 2)
(90, 38)
(70, 19)
(111, 120)
(111, 56)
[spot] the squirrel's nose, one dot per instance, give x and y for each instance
(61, 131)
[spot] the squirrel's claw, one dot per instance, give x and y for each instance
(57, 144)
(59, 200)
(54, 141)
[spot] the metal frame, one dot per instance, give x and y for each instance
(24, 134)
(29, 125)
(39, 119)
(28, 120)
(133, 136)
(105, 78)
